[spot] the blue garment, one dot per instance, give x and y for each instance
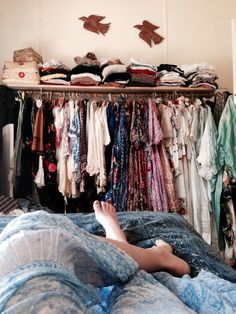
(74, 134)
(118, 177)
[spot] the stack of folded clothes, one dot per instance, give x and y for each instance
(27, 55)
(87, 72)
(141, 73)
(21, 73)
(200, 75)
(54, 72)
(170, 75)
(114, 73)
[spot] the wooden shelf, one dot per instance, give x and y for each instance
(109, 89)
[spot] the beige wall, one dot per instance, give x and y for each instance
(194, 31)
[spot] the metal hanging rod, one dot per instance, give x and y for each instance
(116, 90)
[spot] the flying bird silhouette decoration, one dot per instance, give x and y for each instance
(148, 34)
(93, 23)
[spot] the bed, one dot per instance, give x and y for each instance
(52, 263)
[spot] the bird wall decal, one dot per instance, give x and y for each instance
(93, 23)
(148, 34)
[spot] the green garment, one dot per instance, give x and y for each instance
(226, 157)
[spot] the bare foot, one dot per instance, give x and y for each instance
(164, 244)
(167, 261)
(106, 215)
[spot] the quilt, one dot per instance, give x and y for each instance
(69, 269)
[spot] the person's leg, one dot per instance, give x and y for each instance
(152, 259)
(106, 215)
(156, 258)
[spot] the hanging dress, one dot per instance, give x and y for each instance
(226, 157)
(118, 177)
(137, 183)
(157, 190)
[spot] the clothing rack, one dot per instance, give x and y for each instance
(125, 157)
(233, 33)
(204, 92)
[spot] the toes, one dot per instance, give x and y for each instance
(159, 242)
(113, 209)
(164, 244)
(96, 205)
(110, 207)
(103, 205)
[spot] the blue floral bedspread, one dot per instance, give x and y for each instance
(55, 264)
